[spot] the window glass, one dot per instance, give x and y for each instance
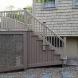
(76, 3)
(50, 4)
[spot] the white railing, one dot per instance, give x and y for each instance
(46, 33)
(12, 20)
(25, 20)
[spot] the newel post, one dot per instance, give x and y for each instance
(44, 35)
(64, 53)
(25, 18)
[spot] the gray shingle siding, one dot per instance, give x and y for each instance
(63, 20)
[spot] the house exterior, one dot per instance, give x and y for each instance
(61, 16)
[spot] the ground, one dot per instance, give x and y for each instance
(38, 72)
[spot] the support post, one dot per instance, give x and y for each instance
(64, 52)
(33, 12)
(25, 19)
(44, 35)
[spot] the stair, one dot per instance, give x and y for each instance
(42, 57)
(42, 32)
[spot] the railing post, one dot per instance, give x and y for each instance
(25, 18)
(2, 22)
(44, 35)
(64, 52)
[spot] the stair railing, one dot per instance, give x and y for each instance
(46, 33)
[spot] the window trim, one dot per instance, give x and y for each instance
(74, 6)
(56, 5)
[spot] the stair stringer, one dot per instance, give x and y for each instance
(50, 46)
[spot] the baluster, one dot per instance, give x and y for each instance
(64, 50)
(39, 29)
(59, 44)
(20, 26)
(34, 24)
(11, 21)
(25, 18)
(54, 40)
(43, 35)
(17, 25)
(14, 20)
(51, 37)
(1, 20)
(6, 19)
(46, 33)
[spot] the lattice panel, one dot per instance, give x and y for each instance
(11, 50)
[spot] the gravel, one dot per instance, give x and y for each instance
(38, 72)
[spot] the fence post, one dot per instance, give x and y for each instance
(25, 19)
(64, 52)
(44, 35)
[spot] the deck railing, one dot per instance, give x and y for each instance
(24, 20)
(12, 19)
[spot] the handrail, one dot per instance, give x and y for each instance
(45, 26)
(55, 33)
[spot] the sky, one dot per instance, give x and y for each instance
(15, 3)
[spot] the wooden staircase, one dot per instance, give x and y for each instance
(39, 57)
(53, 48)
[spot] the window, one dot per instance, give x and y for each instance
(76, 2)
(49, 4)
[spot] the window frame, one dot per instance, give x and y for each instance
(49, 8)
(74, 6)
